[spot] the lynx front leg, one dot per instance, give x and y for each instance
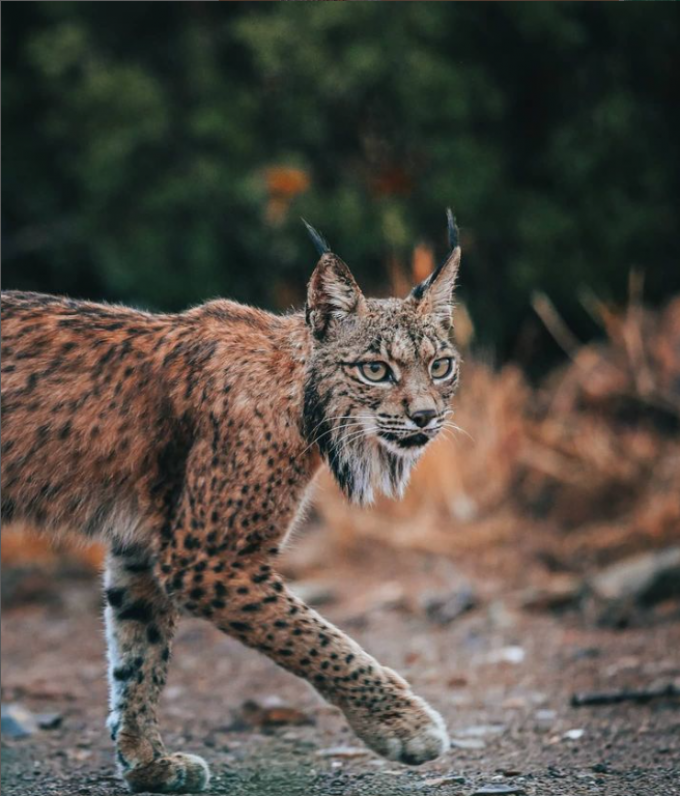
(140, 624)
(247, 600)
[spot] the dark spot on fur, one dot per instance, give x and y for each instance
(139, 611)
(240, 627)
(123, 673)
(153, 634)
(115, 597)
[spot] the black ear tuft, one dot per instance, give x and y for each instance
(320, 243)
(434, 296)
(419, 290)
(453, 229)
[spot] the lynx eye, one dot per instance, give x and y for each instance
(375, 371)
(441, 368)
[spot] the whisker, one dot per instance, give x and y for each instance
(454, 427)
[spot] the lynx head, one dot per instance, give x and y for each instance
(381, 374)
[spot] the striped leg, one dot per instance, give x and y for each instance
(140, 624)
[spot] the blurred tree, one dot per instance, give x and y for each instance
(163, 154)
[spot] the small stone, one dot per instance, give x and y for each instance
(647, 577)
(446, 780)
(514, 703)
(346, 752)
(446, 608)
(49, 721)
(560, 593)
(79, 755)
(480, 730)
(490, 790)
(17, 722)
(601, 768)
(252, 714)
(573, 735)
(585, 653)
(512, 654)
(467, 743)
(545, 715)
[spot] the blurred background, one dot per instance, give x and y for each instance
(163, 154)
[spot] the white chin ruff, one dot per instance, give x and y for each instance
(380, 468)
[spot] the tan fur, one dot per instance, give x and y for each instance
(189, 441)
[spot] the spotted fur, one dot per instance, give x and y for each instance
(189, 442)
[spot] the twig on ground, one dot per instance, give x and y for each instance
(614, 697)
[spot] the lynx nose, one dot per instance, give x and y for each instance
(423, 417)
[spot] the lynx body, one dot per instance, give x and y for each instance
(189, 441)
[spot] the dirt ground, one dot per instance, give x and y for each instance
(501, 676)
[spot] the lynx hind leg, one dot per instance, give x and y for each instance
(140, 624)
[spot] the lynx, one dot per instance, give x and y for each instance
(189, 442)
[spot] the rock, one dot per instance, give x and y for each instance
(562, 592)
(573, 735)
(467, 743)
(17, 722)
(347, 752)
(514, 703)
(49, 721)
(545, 716)
(512, 654)
(490, 790)
(453, 779)
(601, 768)
(446, 608)
(480, 730)
(79, 755)
(646, 579)
(585, 653)
(252, 714)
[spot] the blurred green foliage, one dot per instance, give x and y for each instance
(138, 138)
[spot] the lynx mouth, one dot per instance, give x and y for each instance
(417, 440)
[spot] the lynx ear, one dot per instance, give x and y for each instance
(434, 296)
(332, 295)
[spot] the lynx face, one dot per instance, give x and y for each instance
(380, 378)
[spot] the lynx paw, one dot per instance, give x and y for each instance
(178, 773)
(410, 732)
